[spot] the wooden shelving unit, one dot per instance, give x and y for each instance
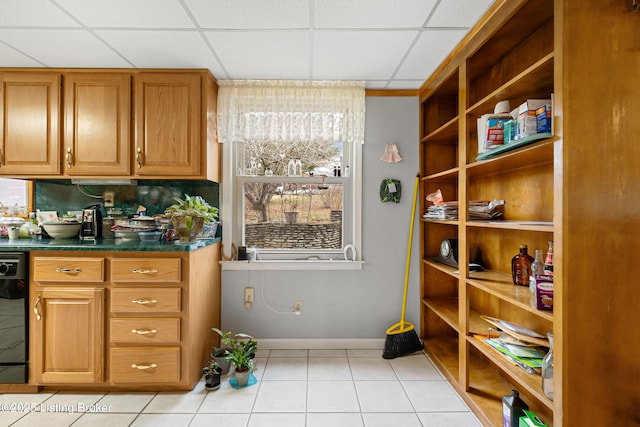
(508, 56)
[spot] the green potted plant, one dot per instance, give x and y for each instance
(241, 355)
(189, 215)
(212, 375)
(218, 354)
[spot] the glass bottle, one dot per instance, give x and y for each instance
(548, 261)
(291, 168)
(537, 268)
(298, 167)
(521, 267)
(547, 370)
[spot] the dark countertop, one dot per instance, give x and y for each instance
(101, 245)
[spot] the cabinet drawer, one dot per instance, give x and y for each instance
(145, 365)
(145, 330)
(68, 269)
(145, 270)
(145, 300)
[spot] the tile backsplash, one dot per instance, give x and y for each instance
(155, 195)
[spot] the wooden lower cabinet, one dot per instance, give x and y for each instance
(69, 335)
(145, 365)
(100, 323)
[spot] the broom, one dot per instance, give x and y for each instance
(402, 338)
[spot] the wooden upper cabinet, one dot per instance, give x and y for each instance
(97, 124)
(29, 123)
(168, 124)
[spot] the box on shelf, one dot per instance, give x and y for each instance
(544, 292)
(528, 119)
(543, 119)
(491, 128)
(529, 419)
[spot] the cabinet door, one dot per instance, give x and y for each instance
(168, 124)
(97, 108)
(69, 331)
(29, 123)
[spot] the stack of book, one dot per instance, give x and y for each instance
(478, 210)
(443, 211)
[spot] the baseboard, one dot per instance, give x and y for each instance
(322, 344)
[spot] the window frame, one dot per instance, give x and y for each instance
(232, 218)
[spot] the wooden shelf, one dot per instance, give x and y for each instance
(446, 309)
(442, 267)
(537, 153)
(501, 286)
(447, 133)
(535, 81)
(525, 381)
(443, 351)
(544, 226)
(447, 175)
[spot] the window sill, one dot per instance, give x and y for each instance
(292, 265)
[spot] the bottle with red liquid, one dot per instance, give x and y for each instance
(548, 261)
(521, 267)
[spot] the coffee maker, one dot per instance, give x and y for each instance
(91, 228)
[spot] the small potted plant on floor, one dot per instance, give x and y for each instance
(212, 375)
(189, 215)
(218, 353)
(241, 355)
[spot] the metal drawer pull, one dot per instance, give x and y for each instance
(144, 331)
(68, 157)
(143, 367)
(144, 301)
(35, 308)
(143, 271)
(68, 270)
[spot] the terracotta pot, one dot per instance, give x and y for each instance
(187, 234)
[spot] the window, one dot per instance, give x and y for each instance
(293, 186)
(14, 196)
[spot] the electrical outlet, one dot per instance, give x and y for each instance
(109, 198)
(249, 295)
(297, 307)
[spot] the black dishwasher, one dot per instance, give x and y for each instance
(14, 318)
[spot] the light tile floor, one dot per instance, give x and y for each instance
(295, 388)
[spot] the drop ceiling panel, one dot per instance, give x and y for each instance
(62, 48)
(429, 51)
(158, 49)
(459, 13)
(128, 13)
(372, 13)
(264, 54)
(33, 13)
(359, 55)
(250, 14)
(13, 58)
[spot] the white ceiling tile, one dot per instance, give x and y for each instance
(250, 14)
(376, 84)
(33, 13)
(10, 57)
(63, 48)
(405, 84)
(264, 54)
(359, 55)
(129, 13)
(458, 13)
(157, 49)
(371, 13)
(430, 50)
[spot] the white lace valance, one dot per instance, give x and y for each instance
(290, 111)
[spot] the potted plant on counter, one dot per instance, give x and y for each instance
(189, 215)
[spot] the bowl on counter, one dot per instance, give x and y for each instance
(149, 236)
(127, 234)
(62, 230)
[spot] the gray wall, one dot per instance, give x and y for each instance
(347, 304)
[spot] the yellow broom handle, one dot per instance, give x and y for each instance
(408, 264)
